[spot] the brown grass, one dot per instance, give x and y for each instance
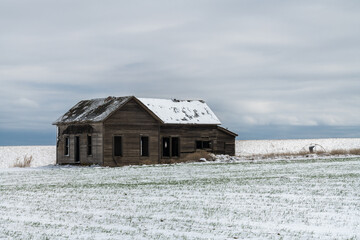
(286, 154)
(196, 156)
(355, 151)
(339, 152)
(26, 162)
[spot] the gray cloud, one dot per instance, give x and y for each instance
(256, 63)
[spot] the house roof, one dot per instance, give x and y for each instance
(94, 110)
(172, 111)
(169, 111)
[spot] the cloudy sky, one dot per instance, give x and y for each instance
(269, 69)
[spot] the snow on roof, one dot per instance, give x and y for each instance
(181, 111)
(94, 110)
(167, 110)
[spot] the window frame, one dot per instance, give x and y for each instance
(77, 148)
(162, 147)
(202, 145)
(67, 146)
(170, 147)
(89, 149)
(114, 146)
(141, 145)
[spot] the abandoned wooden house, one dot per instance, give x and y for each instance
(117, 131)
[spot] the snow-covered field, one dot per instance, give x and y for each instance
(302, 199)
(42, 155)
(257, 147)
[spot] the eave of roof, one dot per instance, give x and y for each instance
(227, 131)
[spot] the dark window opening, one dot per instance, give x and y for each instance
(117, 146)
(170, 147)
(199, 145)
(175, 147)
(67, 146)
(89, 145)
(203, 145)
(206, 144)
(166, 147)
(144, 146)
(77, 149)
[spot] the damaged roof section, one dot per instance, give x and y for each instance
(94, 110)
(172, 111)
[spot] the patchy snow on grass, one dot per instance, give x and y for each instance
(302, 199)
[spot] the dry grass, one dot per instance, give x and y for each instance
(285, 154)
(339, 152)
(25, 162)
(196, 156)
(355, 151)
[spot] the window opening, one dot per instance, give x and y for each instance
(199, 145)
(144, 146)
(77, 149)
(117, 146)
(206, 144)
(175, 147)
(89, 145)
(67, 146)
(166, 147)
(203, 144)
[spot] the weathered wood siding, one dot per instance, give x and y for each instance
(222, 143)
(225, 143)
(97, 146)
(131, 122)
(188, 135)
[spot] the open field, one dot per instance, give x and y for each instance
(302, 199)
(42, 155)
(294, 146)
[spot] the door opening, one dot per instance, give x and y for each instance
(77, 149)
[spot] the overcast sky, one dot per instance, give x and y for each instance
(268, 69)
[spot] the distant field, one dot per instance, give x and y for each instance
(264, 200)
(42, 155)
(257, 147)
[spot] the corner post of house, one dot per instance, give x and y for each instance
(57, 143)
(159, 143)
